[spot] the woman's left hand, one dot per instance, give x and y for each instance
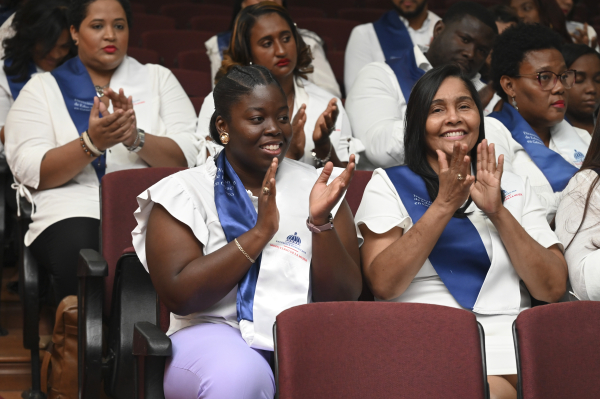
(485, 192)
(324, 197)
(326, 123)
(580, 36)
(120, 101)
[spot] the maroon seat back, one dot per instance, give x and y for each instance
(186, 11)
(336, 61)
(194, 60)
(337, 29)
(118, 194)
(138, 7)
(558, 350)
(357, 188)
(195, 83)
(169, 43)
(197, 103)
(363, 15)
(143, 56)
(378, 350)
(145, 23)
(305, 12)
(210, 23)
(153, 6)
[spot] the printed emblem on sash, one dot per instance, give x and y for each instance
(579, 157)
(82, 105)
(511, 194)
(292, 245)
(421, 201)
(533, 138)
(227, 184)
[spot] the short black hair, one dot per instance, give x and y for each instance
(38, 22)
(458, 11)
(79, 8)
(572, 52)
(417, 112)
(512, 46)
(504, 13)
(239, 81)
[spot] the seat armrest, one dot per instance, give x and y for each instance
(29, 292)
(26, 207)
(149, 340)
(91, 270)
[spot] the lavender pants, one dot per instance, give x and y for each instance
(212, 361)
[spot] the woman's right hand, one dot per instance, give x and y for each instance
(267, 222)
(454, 192)
(110, 129)
(296, 150)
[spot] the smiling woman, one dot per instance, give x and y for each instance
(436, 220)
(99, 112)
(204, 233)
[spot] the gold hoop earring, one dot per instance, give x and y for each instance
(224, 138)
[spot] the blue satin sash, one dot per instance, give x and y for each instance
(223, 40)
(459, 256)
(555, 168)
(237, 215)
(16, 87)
(78, 92)
(398, 50)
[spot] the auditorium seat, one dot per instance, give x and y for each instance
(355, 350)
(182, 13)
(169, 43)
(145, 23)
(195, 83)
(144, 56)
(557, 350)
(363, 15)
(138, 8)
(305, 12)
(337, 29)
(115, 286)
(381, 4)
(153, 6)
(211, 23)
(197, 103)
(330, 7)
(195, 60)
(336, 60)
(357, 188)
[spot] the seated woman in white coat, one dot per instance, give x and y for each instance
(322, 75)
(41, 43)
(530, 74)
(452, 228)
(578, 224)
(204, 233)
(266, 35)
(63, 134)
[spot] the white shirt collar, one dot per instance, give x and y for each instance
(423, 27)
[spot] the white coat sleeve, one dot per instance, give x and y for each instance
(376, 109)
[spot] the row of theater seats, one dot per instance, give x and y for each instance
(350, 350)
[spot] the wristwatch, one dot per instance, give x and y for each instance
(139, 141)
(320, 229)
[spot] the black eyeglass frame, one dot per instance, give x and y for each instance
(556, 77)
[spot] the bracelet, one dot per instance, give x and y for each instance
(244, 252)
(85, 149)
(321, 162)
(138, 143)
(90, 145)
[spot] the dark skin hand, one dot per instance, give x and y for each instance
(188, 281)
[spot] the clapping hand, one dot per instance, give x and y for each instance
(120, 101)
(110, 129)
(296, 150)
(486, 190)
(326, 123)
(580, 36)
(267, 222)
(455, 179)
(324, 197)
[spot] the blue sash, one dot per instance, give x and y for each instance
(78, 92)
(459, 256)
(237, 215)
(223, 40)
(555, 168)
(398, 50)
(16, 87)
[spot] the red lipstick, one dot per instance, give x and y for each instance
(559, 104)
(283, 62)
(110, 49)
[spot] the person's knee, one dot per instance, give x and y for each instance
(501, 388)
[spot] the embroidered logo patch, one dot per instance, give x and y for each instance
(511, 194)
(579, 157)
(292, 245)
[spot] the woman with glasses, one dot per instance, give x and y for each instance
(530, 74)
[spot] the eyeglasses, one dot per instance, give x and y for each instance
(548, 79)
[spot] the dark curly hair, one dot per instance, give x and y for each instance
(512, 46)
(239, 51)
(572, 52)
(239, 81)
(41, 22)
(79, 8)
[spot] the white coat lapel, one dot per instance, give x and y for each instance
(569, 144)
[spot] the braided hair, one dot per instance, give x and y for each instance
(239, 81)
